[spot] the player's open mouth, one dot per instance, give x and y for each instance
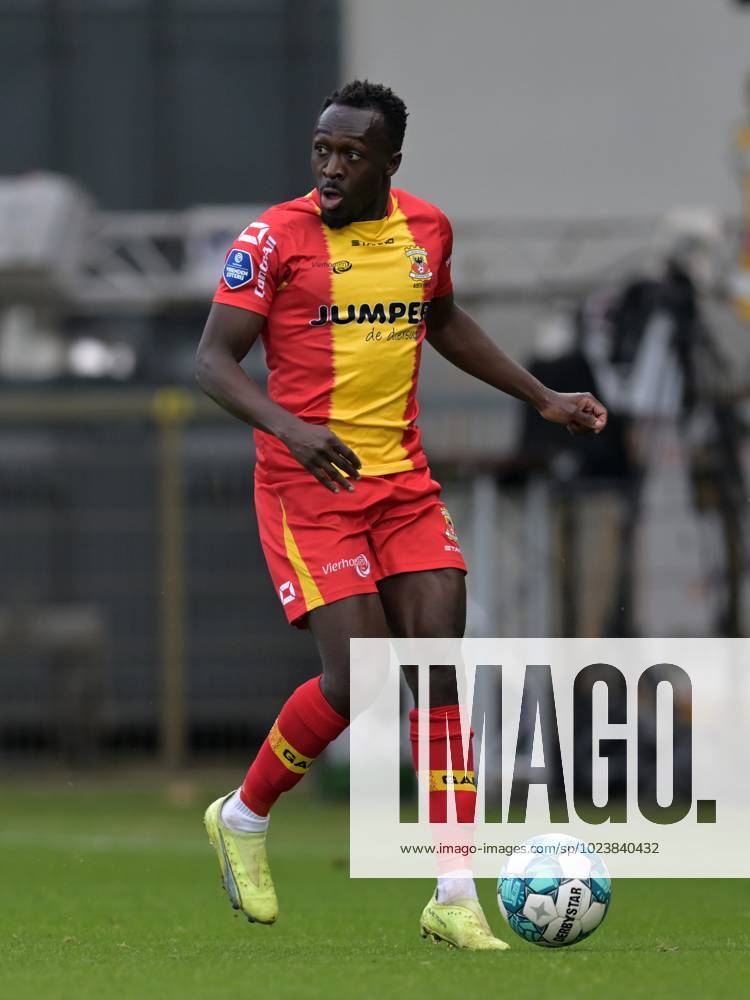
(330, 199)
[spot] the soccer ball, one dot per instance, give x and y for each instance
(554, 891)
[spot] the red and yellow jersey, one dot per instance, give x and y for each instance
(345, 321)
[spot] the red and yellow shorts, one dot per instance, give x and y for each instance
(321, 546)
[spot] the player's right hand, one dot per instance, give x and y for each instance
(323, 454)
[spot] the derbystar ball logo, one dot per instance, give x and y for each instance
(360, 564)
(571, 912)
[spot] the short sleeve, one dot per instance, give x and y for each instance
(251, 268)
(444, 284)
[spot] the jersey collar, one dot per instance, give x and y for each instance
(314, 197)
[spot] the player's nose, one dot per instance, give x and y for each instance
(333, 167)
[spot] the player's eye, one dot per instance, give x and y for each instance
(353, 154)
(320, 149)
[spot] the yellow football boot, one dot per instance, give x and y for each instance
(244, 867)
(461, 923)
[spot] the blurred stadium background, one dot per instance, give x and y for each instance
(585, 155)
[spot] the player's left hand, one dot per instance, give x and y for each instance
(580, 412)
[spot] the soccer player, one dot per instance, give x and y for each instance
(343, 286)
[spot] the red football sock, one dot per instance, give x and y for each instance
(454, 842)
(304, 728)
(445, 729)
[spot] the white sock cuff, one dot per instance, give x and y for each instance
(240, 818)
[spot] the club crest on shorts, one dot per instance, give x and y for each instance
(238, 269)
(420, 268)
(450, 530)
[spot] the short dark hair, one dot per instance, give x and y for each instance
(363, 94)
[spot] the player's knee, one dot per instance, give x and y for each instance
(335, 688)
(446, 613)
(432, 603)
(443, 685)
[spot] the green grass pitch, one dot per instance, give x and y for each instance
(115, 893)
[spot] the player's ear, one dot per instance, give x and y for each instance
(393, 164)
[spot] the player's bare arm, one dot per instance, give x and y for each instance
(227, 338)
(455, 335)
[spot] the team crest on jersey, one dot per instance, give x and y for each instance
(420, 268)
(238, 269)
(450, 530)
